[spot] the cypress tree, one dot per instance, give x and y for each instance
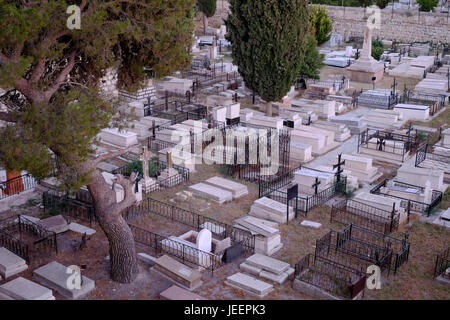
(268, 40)
(208, 9)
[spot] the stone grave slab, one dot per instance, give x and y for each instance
(210, 192)
(446, 215)
(267, 263)
(55, 224)
(10, 263)
(177, 293)
(237, 189)
(178, 272)
(79, 228)
(54, 275)
(146, 258)
(311, 224)
(266, 208)
(249, 284)
(24, 289)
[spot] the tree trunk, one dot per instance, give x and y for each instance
(269, 109)
(122, 249)
(205, 23)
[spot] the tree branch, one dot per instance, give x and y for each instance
(109, 155)
(38, 71)
(127, 185)
(61, 77)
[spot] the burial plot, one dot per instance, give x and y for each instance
(419, 177)
(361, 167)
(122, 139)
(272, 210)
(386, 204)
(249, 284)
(267, 235)
(263, 121)
(237, 189)
(323, 108)
(307, 178)
(267, 268)
(55, 224)
(178, 272)
(56, 276)
(355, 124)
(341, 132)
(210, 192)
(177, 293)
(316, 141)
(24, 289)
(413, 112)
(11, 264)
(351, 179)
(300, 153)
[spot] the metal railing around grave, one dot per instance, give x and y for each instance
(17, 185)
(330, 276)
(442, 263)
(351, 211)
(192, 219)
(60, 203)
(408, 204)
(402, 144)
(185, 253)
(425, 152)
(13, 232)
(434, 100)
(276, 189)
(373, 247)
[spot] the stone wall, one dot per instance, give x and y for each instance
(399, 26)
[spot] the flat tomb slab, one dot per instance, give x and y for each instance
(178, 272)
(54, 275)
(55, 224)
(24, 289)
(212, 193)
(237, 189)
(249, 284)
(267, 263)
(10, 263)
(75, 227)
(177, 293)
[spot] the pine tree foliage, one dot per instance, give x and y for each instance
(268, 40)
(207, 7)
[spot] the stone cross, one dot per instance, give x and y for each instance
(366, 52)
(145, 157)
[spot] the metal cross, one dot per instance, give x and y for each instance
(394, 86)
(338, 166)
(316, 185)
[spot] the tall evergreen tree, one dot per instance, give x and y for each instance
(208, 9)
(321, 23)
(312, 61)
(54, 109)
(268, 41)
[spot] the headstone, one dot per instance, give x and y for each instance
(204, 240)
(147, 182)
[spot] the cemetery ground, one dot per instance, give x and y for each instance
(413, 281)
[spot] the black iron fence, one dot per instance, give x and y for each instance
(276, 189)
(354, 212)
(425, 152)
(435, 101)
(408, 204)
(17, 185)
(330, 276)
(38, 239)
(183, 252)
(192, 219)
(442, 263)
(56, 202)
(359, 247)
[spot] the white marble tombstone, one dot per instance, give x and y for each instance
(204, 240)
